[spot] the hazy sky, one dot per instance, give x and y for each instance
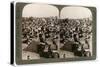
(44, 10)
(40, 10)
(75, 12)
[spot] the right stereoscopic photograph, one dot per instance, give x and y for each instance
(51, 31)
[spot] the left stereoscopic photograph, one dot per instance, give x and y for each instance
(42, 33)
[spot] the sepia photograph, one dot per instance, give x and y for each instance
(49, 31)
